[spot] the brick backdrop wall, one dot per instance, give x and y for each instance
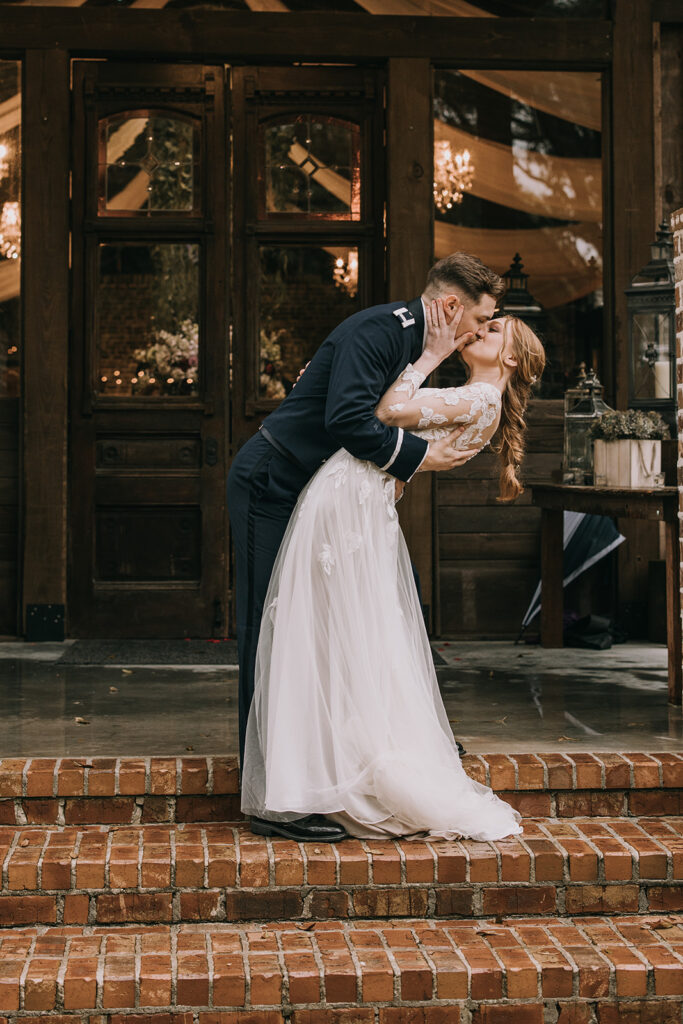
(677, 228)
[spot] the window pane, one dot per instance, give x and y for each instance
(10, 227)
(148, 164)
(312, 167)
(148, 319)
(518, 169)
(305, 291)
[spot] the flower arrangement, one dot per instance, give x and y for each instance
(634, 424)
(271, 382)
(171, 361)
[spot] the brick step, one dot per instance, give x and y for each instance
(101, 875)
(127, 790)
(393, 972)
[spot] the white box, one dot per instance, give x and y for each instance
(627, 463)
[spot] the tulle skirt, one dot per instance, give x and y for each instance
(347, 719)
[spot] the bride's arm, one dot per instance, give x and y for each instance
(404, 405)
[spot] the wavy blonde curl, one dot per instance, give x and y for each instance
(529, 355)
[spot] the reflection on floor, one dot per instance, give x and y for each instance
(499, 697)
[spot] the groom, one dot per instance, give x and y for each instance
(333, 407)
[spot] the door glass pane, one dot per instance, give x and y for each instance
(148, 164)
(518, 169)
(312, 167)
(10, 226)
(305, 291)
(148, 319)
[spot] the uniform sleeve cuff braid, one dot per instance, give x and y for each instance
(399, 442)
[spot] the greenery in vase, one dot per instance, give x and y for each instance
(634, 424)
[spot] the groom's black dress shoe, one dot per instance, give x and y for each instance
(311, 829)
(461, 749)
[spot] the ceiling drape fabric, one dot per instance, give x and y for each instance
(549, 186)
(564, 263)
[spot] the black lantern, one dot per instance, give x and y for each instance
(652, 331)
(518, 300)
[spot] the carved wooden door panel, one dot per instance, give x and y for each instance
(148, 529)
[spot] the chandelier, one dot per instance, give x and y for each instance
(346, 273)
(10, 231)
(453, 175)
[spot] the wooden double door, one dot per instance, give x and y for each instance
(224, 220)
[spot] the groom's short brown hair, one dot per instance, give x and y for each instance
(465, 274)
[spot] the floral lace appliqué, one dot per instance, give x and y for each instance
(326, 559)
(429, 417)
(410, 380)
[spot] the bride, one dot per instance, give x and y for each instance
(347, 719)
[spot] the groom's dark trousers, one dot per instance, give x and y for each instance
(331, 407)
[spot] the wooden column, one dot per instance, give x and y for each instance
(634, 224)
(410, 248)
(46, 142)
(633, 176)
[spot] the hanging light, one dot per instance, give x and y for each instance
(453, 175)
(10, 231)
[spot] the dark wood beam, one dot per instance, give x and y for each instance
(667, 11)
(237, 36)
(45, 283)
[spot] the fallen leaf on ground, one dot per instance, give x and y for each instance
(81, 721)
(113, 689)
(24, 842)
(502, 720)
(189, 748)
(126, 671)
(564, 739)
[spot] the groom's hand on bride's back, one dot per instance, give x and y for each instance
(442, 455)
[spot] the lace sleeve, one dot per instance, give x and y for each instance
(404, 405)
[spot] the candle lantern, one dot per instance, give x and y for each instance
(518, 300)
(652, 331)
(583, 405)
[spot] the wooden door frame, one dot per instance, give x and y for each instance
(621, 49)
(193, 91)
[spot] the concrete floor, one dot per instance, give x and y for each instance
(499, 697)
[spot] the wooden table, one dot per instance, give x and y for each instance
(659, 504)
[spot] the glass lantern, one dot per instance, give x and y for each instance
(652, 331)
(518, 300)
(583, 405)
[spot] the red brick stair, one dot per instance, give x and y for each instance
(77, 791)
(184, 873)
(132, 893)
(386, 971)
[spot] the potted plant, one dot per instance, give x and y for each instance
(628, 448)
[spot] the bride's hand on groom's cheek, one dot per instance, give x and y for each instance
(301, 373)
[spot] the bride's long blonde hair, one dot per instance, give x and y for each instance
(529, 355)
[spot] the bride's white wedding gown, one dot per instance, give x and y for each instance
(347, 719)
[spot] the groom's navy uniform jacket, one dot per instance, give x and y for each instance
(331, 407)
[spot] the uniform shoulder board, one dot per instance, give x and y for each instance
(406, 321)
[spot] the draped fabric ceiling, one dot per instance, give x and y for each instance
(564, 263)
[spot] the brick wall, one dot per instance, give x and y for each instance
(677, 228)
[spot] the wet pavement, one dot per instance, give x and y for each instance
(499, 697)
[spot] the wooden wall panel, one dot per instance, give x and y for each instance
(9, 515)
(46, 327)
(489, 553)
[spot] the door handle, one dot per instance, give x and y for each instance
(210, 451)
